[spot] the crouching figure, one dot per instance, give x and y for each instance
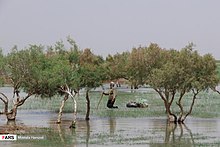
(112, 96)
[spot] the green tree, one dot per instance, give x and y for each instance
(61, 74)
(22, 71)
(92, 74)
(182, 72)
(203, 76)
(136, 67)
(3, 79)
(141, 62)
(116, 66)
(164, 80)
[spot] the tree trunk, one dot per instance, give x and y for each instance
(73, 125)
(171, 117)
(5, 108)
(88, 105)
(68, 91)
(13, 113)
(179, 103)
(5, 101)
(61, 108)
(11, 116)
(78, 92)
(192, 104)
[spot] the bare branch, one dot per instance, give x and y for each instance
(62, 89)
(5, 101)
(218, 91)
(173, 96)
(67, 87)
(192, 104)
(180, 105)
(14, 102)
(2, 100)
(195, 92)
(215, 90)
(160, 93)
(21, 102)
(3, 95)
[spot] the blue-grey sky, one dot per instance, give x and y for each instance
(111, 26)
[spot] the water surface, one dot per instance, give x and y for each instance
(110, 131)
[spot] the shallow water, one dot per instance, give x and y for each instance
(111, 131)
(108, 131)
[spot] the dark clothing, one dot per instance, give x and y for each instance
(110, 104)
(111, 99)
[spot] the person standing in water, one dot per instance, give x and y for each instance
(112, 96)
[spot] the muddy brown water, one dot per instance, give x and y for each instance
(109, 131)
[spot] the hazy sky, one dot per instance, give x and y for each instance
(110, 26)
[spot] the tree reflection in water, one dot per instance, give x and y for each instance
(113, 131)
(87, 132)
(172, 138)
(112, 125)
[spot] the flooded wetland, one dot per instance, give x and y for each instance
(109, 127)
(109, 73)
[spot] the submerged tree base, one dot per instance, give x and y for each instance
(11, 119)
(73, 125)
(11, 116)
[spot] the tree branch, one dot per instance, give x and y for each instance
(21, 102)
(179, 103)
(6, 98)
(195, 92)
(5, 102)
(161, 95)
(173, 96)
(215, 90)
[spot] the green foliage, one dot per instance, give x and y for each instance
(185, 70)
(45, 73)
(167, 71)
(116, 66)
(141, 61)
(91, 71)
(23, 68)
